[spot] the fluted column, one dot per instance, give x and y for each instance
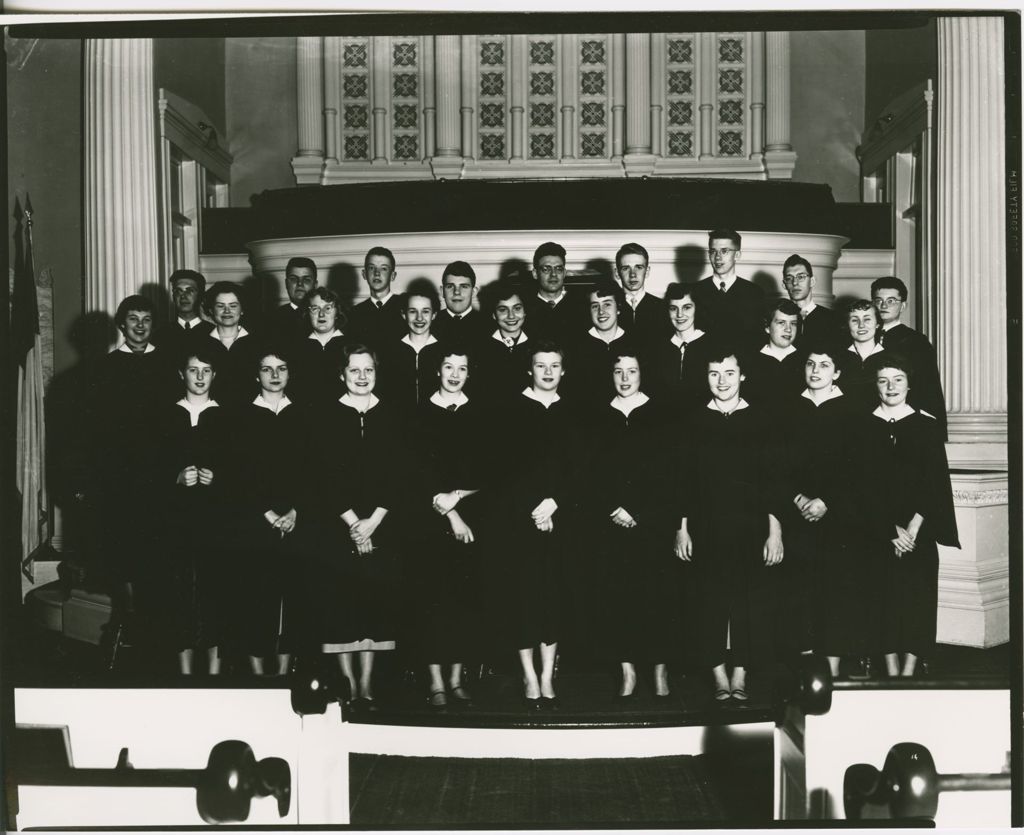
(447, 160)
(778, 152)
(380, 65)
(121, 249)
(517, 87)
(309, 158)
(757, 95)
(971, 227)
(706, 94)
(568, 57)
(638, 159)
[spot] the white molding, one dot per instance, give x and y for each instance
(901, 121)
(977, 456)
(179, 124)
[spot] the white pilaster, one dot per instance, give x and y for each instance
(467, 111)
(568, 57)
(706, 94)
(638, 159)
(756, 95)
(332, 97)
(380, 75)
(447, 160)
(779, 158)
(517, 97)
(971, 228)
(308, 162)
(121, 249)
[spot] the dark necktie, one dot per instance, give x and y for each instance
(551, 305)
(722, 286)
(682, 359)
(881, 338)
(379, 305)
(452, 407)
(188, 326)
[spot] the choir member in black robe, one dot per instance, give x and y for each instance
(858, 378)
(379, 319)
(355, 570)
(316, 359)
(194, 436)
(408, 366)
(730, 501)
(235, 347)
(818, 325)
(504, 356)
(590, 384)
(289, 323)
(267, 497)
(532, 526)
(644, 316)
(732, 308)
(133, 383)
(442, 571)
(909, 503)
(776, 373)
(460, 323)
(889, 296)
(628, 536)
(187, 288)
(824, 593)
(554, 312)
(675, 366)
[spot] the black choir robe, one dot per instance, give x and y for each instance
(502, 372)
(857, 382)
(375, 326)
(465, 331)
(286, 325)
(736, 316)
(315, 370)
(770, 381)
(564, 322)
(407, 377)
(173, 339)
(821, 326)
(588, 367)
(236, 381)
(678, 378)
(926, 385)
(649, 322)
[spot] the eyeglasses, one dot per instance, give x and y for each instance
(795, 279)
(892, 301)
(547, 269)
(327, 308)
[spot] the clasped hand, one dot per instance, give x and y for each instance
(904, 541)
(445, 502)
(621, 517)
(191, 476)
(542, 515)
(811, 509)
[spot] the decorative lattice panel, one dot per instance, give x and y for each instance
(406, 57)
(541, 97)
(594, 86)
(730, 94)
(680, 83)
(355, 99)
(492, 96)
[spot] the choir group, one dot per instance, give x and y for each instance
(707, 479)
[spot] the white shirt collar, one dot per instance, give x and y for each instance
(324, 338)
(529, 392)
(594, 332)
(348, 400)
(457, 316)
(741, 405)
(832, 395)
(459, 400)
(555, 300)
(906, 410)
(431, 339)
(875, 349)
(634, 299)
(195, 320)
(519, 340)
(292, 305)
(124, 349)
(888, 326)
(770, 350)
(678, 341)
(196, 409)
(628, 404)
(807, 309)
(263, 403)
(728, 281)
(383, 301)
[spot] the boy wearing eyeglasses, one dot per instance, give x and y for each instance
(817, 323)
(554, 312)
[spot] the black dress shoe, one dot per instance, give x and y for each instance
(625, 698)
(550, 703)
(531, 705)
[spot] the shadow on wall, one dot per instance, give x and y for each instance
(690, 263)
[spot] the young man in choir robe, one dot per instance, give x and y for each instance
(817, 323)
(554, 312)
(290, 322)
(408, 366)
(889, 295)
(187, 288)
(776, 372)
(591, 384)
(732, 307)
(504, 356)
(379, 319)
(460, 322)
(644, 315)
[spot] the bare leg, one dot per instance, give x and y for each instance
(548, 656)
(455, 677)
(892, 663)
(256, 665)
(185, 658)
(345, 662)
(531, 687)
(366, 674)
(282, 663)
(436, 680)
(739, 683)
(909, 664)
(628, 679)
(661, 680)
(833, 663)
(721, 682)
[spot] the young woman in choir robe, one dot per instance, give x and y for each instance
(824, 589)
(408, 366)
(909, 505)
(504, 357)
(363, 484)
(271, 459)
(589, 384)
(442, 573)
(235, 346)
(194, 436)
(775, 372)
(629, 536)
(858, 380)
(532, 526)
(317, 357)
(675, 365)
(730, 527)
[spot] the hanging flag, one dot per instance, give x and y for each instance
(27, 351)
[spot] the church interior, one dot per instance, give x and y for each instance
(872, 144)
